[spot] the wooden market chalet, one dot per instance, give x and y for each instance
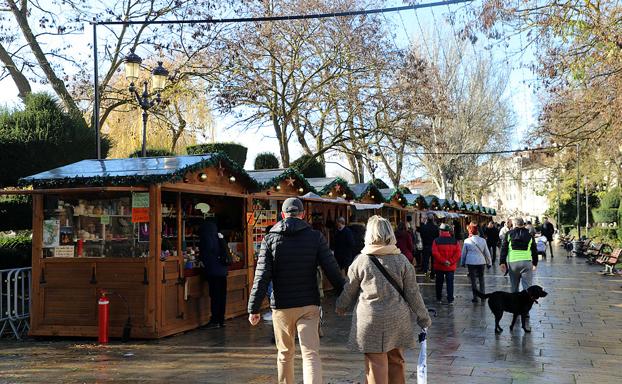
(130, 227)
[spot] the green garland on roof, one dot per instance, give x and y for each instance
(400, 193)
(417, 199)
(368, 188)
(430, 199)
(338, 180)
(289, 172)
(453, 205)
(213, 160)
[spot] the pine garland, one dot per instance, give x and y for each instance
(289, 172)
(337, 181)
(210, 160)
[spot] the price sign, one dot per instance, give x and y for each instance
(140, 207)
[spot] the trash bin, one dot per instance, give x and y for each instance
(577, 247)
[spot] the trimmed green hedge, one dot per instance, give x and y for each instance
(234, 151)
(40, 137)
(152, 152)
(266, 160)
(611, 199)
(309, 166)
(15, 251)
(605, 215)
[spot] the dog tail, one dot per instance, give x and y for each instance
(482, 295)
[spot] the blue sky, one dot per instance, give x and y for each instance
(409, 26)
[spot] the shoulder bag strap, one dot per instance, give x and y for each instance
(388, 277)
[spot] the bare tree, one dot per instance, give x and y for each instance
(466, 114)
(40, 49)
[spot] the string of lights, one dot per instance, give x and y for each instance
(284, 17)
(526, 149)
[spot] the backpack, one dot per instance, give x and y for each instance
(541, 244)
(224, 255)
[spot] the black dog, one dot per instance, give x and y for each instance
(518, 303)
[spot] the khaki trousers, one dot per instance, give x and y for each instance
(286, 322)
(385, 368)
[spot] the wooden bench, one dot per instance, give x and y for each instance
(610, 261)
(595, 251)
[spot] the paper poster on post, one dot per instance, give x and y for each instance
(140, 207)
(51, 233)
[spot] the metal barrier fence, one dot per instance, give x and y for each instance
(15, 301)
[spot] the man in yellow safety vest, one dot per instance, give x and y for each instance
(519, 255)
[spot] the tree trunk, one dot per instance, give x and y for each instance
(57, 84)
(23, 86)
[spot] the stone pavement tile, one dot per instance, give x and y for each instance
(545, 377)
(592, 378)
(614, 351)
(506, 373)
(587, 352)
(606, 342)
(453, 379)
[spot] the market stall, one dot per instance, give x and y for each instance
(276, 185)
(395, 207)
(131, 228)
(417, 205)
(367, 201)
(330, 202)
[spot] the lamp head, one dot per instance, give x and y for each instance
(158, 77)
(132, 66)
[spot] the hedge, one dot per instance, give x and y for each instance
(235, 152)
(15, 251)
(309, 166)
(605, 215)
(40, 137)
(266, 160)
(604, 235)
(152, 152)
(611, 199)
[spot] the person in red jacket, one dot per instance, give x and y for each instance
(446, 253)
(405, 242)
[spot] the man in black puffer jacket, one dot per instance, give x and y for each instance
(289, 257)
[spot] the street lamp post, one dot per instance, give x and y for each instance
(578, 196)
(587, 209)
(158, 80)
(373, 159)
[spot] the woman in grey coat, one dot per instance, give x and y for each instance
(382, 322)
(475, 255)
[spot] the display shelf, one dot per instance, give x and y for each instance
(99, 216)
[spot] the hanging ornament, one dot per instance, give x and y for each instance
(338, 188)
(290, 181)
(221, 169)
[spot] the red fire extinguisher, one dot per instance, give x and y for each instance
(104, 315)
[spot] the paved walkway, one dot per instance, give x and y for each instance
(576, 338)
